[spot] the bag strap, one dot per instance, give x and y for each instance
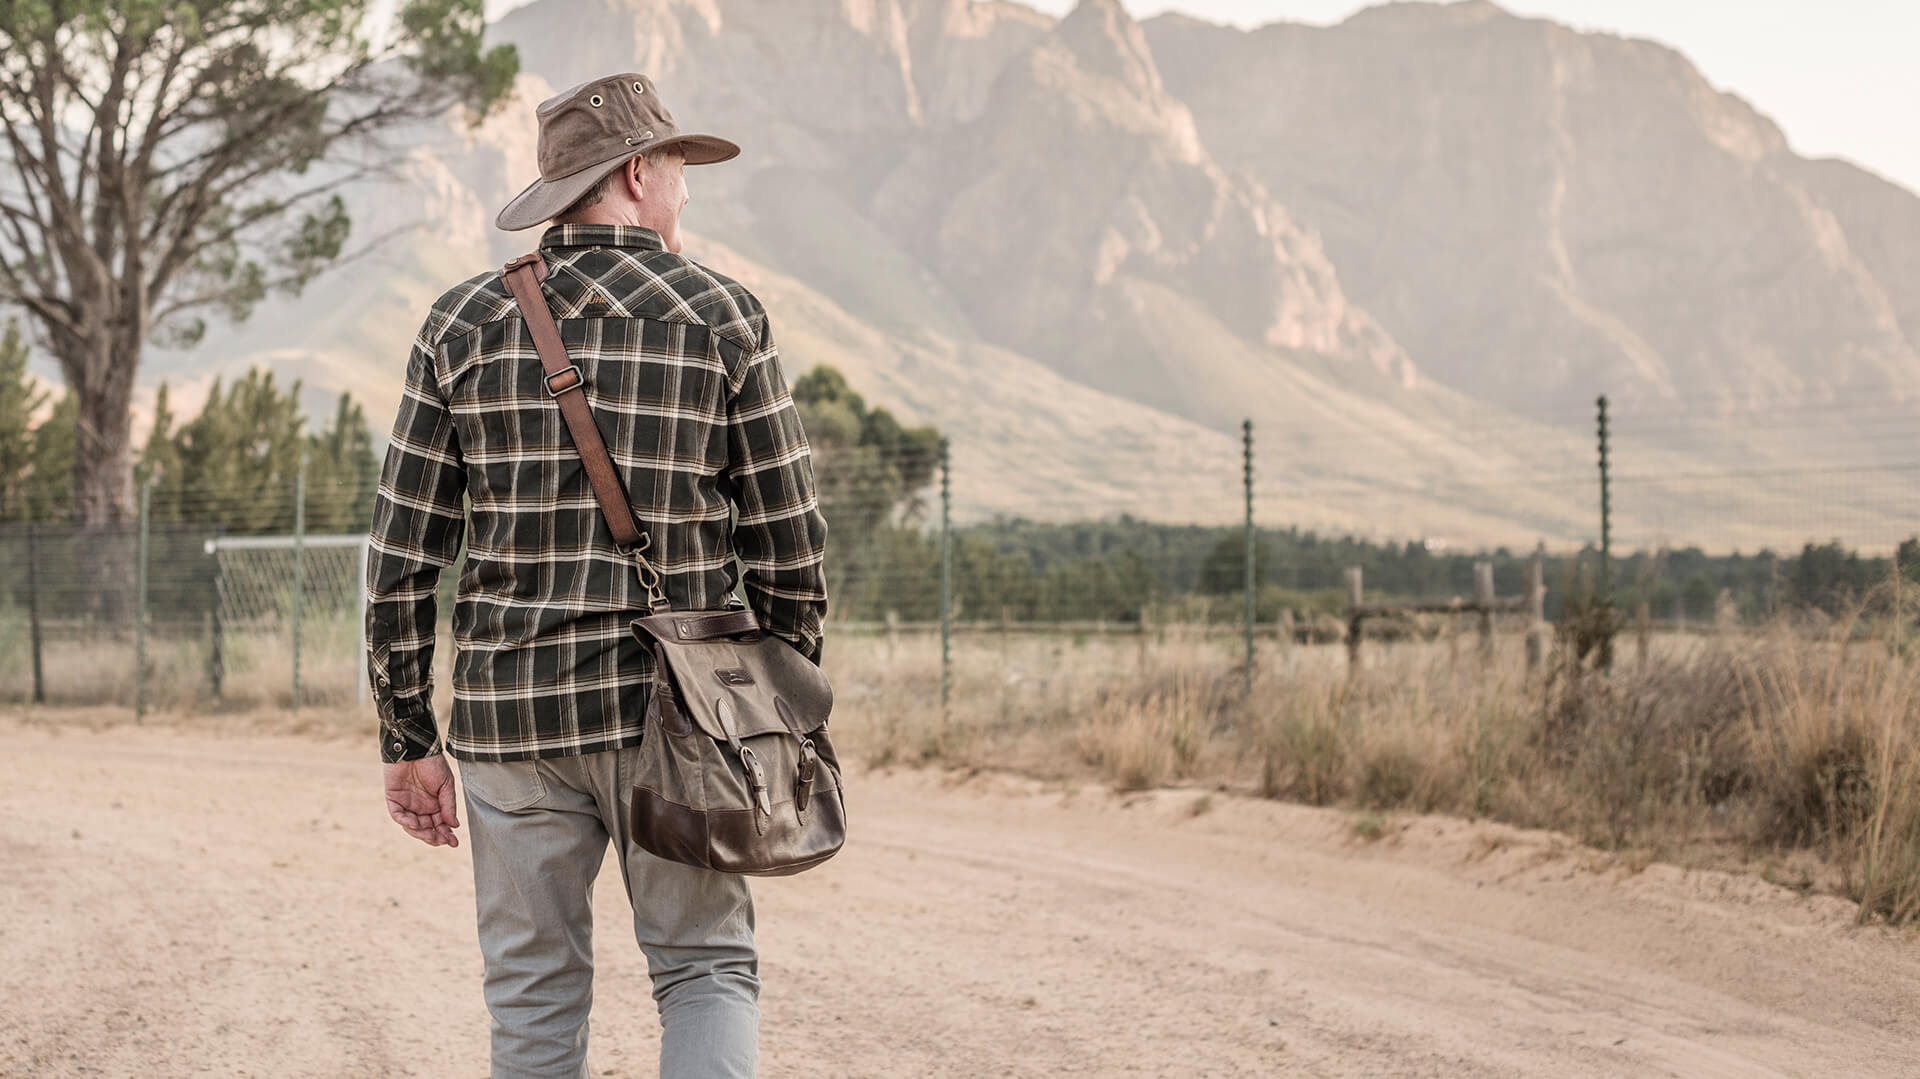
(567, 386)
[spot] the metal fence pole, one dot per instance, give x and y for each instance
(140, 577)
(1606, 543)
(1483, 597)
(362, 692)
(33, 611)
(1252, 585)
(946, 578)
(299, 568)
(217, 651)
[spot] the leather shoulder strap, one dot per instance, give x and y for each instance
(567, 386)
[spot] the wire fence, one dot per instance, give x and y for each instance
(1802, 512)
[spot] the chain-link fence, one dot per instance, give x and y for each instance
(955, 563)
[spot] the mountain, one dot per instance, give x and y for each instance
(1547, 212)
(1411, 248)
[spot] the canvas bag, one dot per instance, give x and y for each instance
(735, 771)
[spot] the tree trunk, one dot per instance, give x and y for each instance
(101, 380)
(102, 460)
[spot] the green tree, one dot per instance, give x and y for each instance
(49, 489)
(36, 459)
(868, 470)
(19, 400)
(1225, 569)
(164, 157)
(235, 464)
(342, 471)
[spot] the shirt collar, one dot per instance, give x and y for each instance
(602, 236)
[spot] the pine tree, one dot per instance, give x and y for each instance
(49, 488)
(19, 400)
(235, 465)
(342, 471)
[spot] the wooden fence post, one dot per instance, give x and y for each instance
(1354, 591)
(1643, 630)
(1483, 596)
(1536, 615)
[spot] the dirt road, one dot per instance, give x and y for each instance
(183, 903)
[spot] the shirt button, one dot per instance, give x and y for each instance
(398, 748)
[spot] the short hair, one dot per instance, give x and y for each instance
(593, 195)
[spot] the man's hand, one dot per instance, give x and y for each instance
(420, 799)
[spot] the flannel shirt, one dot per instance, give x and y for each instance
(685, 383)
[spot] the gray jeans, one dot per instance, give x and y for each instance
(539, 831)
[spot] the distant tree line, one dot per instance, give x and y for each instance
(232, 467)
(1121, 570)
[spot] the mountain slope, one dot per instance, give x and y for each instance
(1546, 214)
(1411, 248)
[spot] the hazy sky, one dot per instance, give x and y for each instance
(1839, 76)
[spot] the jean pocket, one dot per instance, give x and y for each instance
(508, 786)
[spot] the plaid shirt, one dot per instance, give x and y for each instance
(685, 383)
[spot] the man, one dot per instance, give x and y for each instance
(549, 686)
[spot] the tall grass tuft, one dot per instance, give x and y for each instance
(1712, 750)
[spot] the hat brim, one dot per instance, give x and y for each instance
(542, 199)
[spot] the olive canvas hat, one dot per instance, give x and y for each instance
(591, 129)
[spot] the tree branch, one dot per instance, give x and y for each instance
(218, 293)
(182, 256)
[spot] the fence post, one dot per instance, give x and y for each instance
(946, 578)
(140, 576)
(299, 567)
(217, 652)
(1899, 609)
(1246, 453)
(33, 611)
(1536, 614)
(1354, 592)
(362, 691)
(1483, 596)
(1606, 544)
(1643, 631)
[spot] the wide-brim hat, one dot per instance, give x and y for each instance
(591, 129)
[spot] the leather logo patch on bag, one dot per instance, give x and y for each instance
(734, 676)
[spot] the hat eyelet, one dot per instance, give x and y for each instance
(648, 135)
(629, 140)
(638, 89)
(595, 101)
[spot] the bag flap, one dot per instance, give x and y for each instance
(695, 625)
(767, 684)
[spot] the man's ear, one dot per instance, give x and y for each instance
(635, 170)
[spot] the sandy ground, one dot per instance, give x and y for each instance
(185, 902)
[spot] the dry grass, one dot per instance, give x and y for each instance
(85, 668)
(1754, 750)
(1794, 755)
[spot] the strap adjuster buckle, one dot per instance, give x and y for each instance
(572, 370)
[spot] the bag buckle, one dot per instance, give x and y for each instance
(572, 369)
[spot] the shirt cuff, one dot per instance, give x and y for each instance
(408, 739)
